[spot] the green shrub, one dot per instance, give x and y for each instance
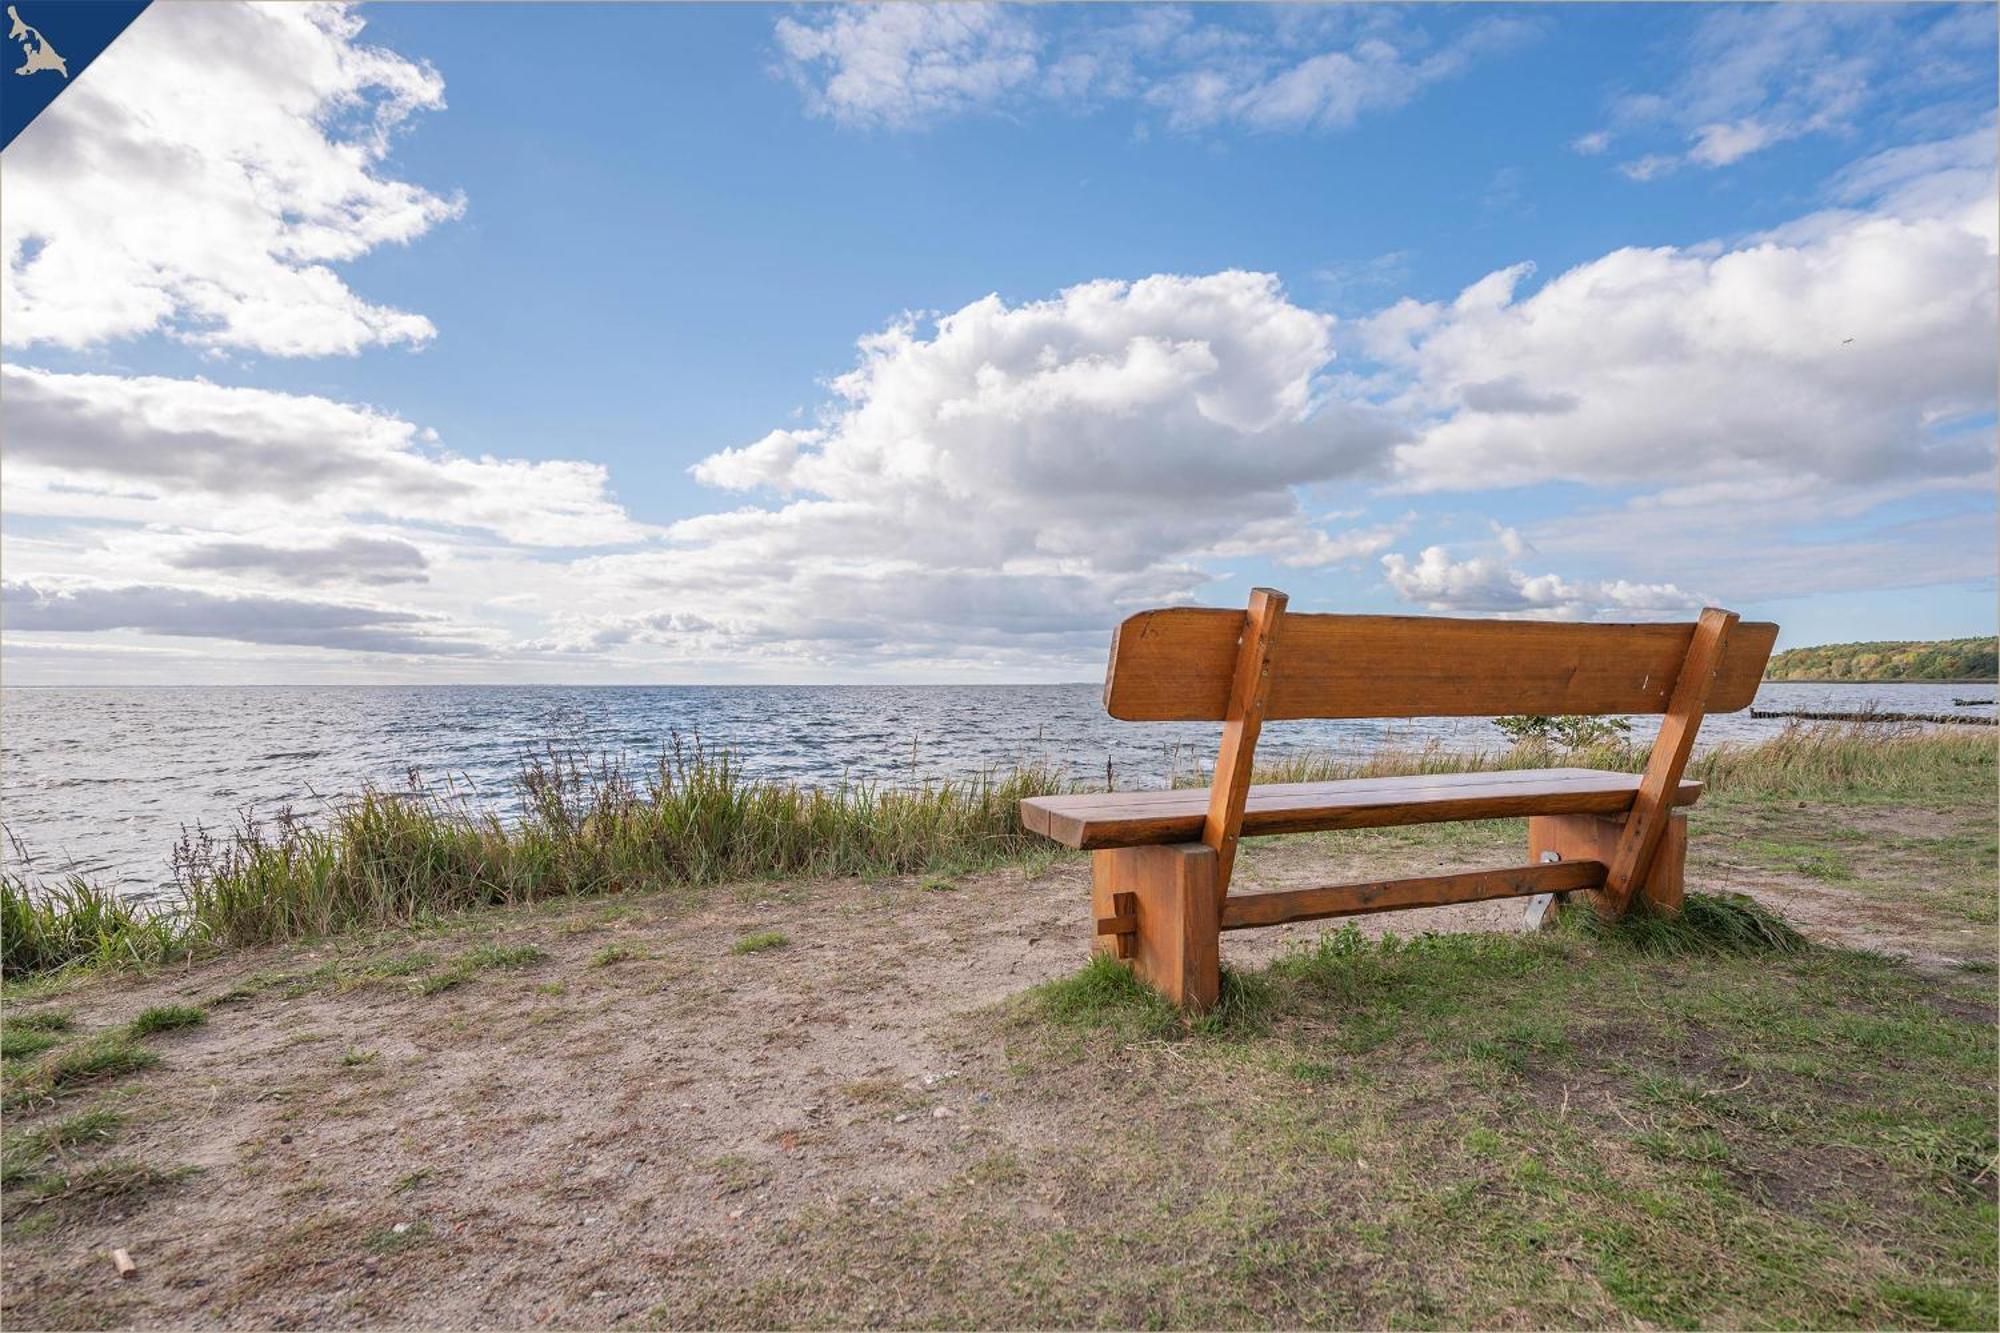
(1570, 733)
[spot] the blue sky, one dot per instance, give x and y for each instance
(563, 268)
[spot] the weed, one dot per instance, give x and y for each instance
(19, 1043)
(166, 1018)
(1706, 923)
(112, 1055)
(757, 941)
(402, 1236)
(42, 1020)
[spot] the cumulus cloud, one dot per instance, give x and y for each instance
(146, 447)
(1011, 471)
(204, 179)
(1852, 347)
(1485, 585)
(908, 66)
(364, 560)
(189, 613)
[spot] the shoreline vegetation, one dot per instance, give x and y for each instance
(1917, 662)
(594, 827)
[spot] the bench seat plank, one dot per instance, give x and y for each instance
(1096, 820)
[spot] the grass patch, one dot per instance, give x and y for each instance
(1106, 994)
(758, 941)
(614, 953)
(118, 1181)
(96, 1060)
(1707, 923)
(484, 958)
(39, 1171)
(42, 1020)
(21, 1043)
(166, 1018)
(393, 1240)
(27, 1150)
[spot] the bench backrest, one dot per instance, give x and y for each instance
(1240, 668)
(1177, 665)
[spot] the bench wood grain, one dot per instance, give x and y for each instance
(1096, 820)
(1178, 665)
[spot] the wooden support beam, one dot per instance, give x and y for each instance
(1123, 925)
(1651, 808)
(1596, 837)
(1229, 786)
(1175, 948)
(1394, 895)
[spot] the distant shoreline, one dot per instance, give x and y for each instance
(1848, 680)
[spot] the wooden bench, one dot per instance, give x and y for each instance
(1161, 860)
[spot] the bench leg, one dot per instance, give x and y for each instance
(1177, 946)
(1595, 838)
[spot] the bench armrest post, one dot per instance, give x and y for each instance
(1647, 824)
(1249, 694)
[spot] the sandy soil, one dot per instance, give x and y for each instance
(573, 1141)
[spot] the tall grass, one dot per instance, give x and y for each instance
(587, 829)
(694, 818)
(389, 858)
(1870, 760)
(74, 922)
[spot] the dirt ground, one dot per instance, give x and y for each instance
(574, 1139)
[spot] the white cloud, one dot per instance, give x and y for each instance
(908, 66)
(1015, 473)
(1483, 585)
(901, 65)
(1720, 144)
(1329, 90)
(150, 449)
(204, 178)
(1756, 76)
(1854, 347)
(1590, 145)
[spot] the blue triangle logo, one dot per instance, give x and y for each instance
(49, 44)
